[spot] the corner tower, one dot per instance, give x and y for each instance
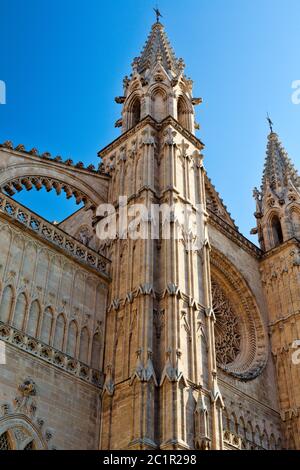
(278, 202)
(161, 388)
(278, 227)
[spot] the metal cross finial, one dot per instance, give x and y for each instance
(270, 122)
(158, 14)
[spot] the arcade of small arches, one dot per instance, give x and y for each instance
(51, 328)
(29, 182)
(246, 435)
(23, 170)
(159, 109)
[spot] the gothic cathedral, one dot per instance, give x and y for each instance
(142, 343)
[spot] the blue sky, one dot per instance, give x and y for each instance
(63, 62)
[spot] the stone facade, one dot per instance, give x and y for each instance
(140, 342)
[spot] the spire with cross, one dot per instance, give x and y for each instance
(270, 123)
(158, 14)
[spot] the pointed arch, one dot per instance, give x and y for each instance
(6, 237)
(291, 445)
(136, 111)
(265, 440)
(20, 312)
(249, 431)
(279, 444)
(242, 427)
(183, 112)
(295, 220)
(233, 423)
(5, 441)
(159, 104)
(29, 259)
(272, 445)
(276, 230)
(47, 326)
(84, 345)
(72, 339)
(33, 319)
(96, 352)
(59, 334)
(6, 304)
(257, 436)
(225, 419)
(133, 108)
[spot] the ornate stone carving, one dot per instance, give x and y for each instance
(109, 386)
(24, 401)
(247, 354)
(84, 236)
(172, 372)
(141, 373)
(227, 333)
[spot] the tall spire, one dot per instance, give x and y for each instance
(279, 169)
(158, 47)
(278, 202)
(157, 86)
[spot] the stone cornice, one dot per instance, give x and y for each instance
(147, 289)
(223, 383)
(148, 120)
(170, 121)
(274, 251)
(234, 235)
(283, 319)
(57, 162)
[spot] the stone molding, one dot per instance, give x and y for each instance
(48, 354)
(146, 289)
(234, 235)
(148, 120)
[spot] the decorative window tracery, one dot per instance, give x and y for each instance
(5, 442)
(227, 331)
(17, 438)
(241, 340)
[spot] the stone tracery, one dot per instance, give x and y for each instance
(227, 332)
(5, 442)
(239, 333)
